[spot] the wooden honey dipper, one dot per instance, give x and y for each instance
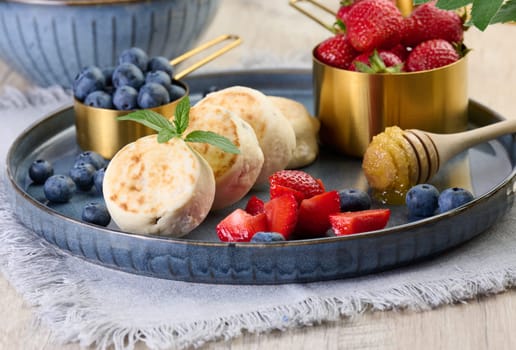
(433, 150)
(397, 159)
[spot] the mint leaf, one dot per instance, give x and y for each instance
(165, 135)
(452, 4)
(213, 139)
(168, 130)
(483, 11)
(150, 119)
(181, 118)
(507, 13)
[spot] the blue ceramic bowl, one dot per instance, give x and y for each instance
(48, 42)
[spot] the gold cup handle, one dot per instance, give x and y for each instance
(330, 27)
(234, 41)
(405, 7)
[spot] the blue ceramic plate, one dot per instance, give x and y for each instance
(488, 170)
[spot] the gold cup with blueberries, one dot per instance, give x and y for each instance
(101, 95)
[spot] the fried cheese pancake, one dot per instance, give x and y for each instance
(235, 174)
(305, 127)
(158, 188)
(273, 131)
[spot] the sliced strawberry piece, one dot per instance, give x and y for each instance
(282, 214)
(359, 221)
(254, 206)
(279, 190)
(297, 180)
(240, 226)
(313, 214)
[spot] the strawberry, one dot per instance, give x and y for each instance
(282, 214)
(278, 191)
(374, 24)
(302, 182)
(377, 62)
(313, 214)
(359, 221)
(254, 206)
(401, 51)
(336, 51)
(431, 54)
(429, 22)
(240, 226)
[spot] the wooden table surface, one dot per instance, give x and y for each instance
(484, 323)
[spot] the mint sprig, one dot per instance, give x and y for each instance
(168, 130)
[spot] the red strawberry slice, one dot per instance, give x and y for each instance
(240, 226)
(282, 214)
(279, 190)
(254, 206)
(374, 24)
(359, 221)
(313, 214)
(297, 180)
(336, 51)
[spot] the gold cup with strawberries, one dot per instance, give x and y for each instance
(381, 68)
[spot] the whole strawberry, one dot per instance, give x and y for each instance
(429, 22)
(382, 61)
(336, 51)
(374, 24)
(431, 54)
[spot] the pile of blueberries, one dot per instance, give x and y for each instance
(424, 200)
(137, 82)
(86, 172)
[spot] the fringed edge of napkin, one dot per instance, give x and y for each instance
(62, 303)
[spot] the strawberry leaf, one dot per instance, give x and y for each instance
(507, 13)
(483, 11)
(452, 4)
(213, 139)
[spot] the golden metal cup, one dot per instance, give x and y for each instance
(97, 129)
(354, 106)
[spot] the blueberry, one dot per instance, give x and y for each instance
(99, 99)
(108, 75)
(96, 213)
(421, 201)
(125, 98)
(267, 237)
(175, 92)
(354, 200)
(152, 95)
(452, 198)
(40, 170)
(59, 188)
(92, 158)
(82, 174)
(160, 63)
(136, 56)
(98, 179)
(159, 77)
(128, 74)
(88, 80)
